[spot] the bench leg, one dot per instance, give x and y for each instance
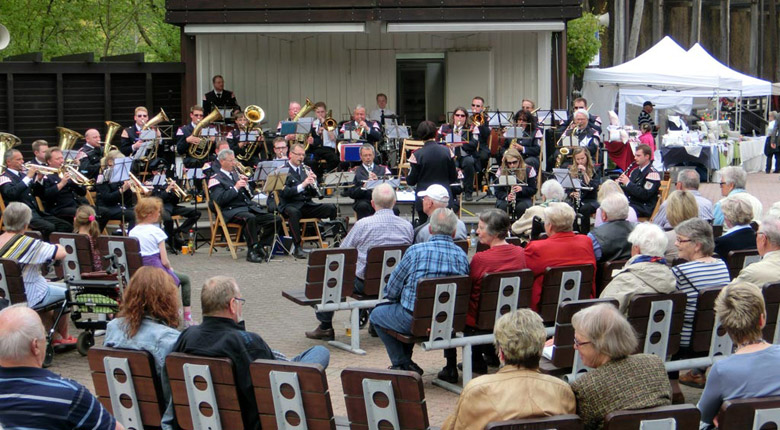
(466, 364)
(354, 346)
(455, 388)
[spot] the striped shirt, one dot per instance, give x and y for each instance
(33, 398)
(692, 277)
(30, 254)
(381, 229)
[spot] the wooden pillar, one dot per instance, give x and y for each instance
(695, 22)
(755, 41)
(658, 20)
(725, 28)
(189, 82)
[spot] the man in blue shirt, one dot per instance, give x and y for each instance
(32, 397)
(438, 257)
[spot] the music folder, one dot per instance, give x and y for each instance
(563, 176)
(195, 174)
(499, 119)
(515, 133)
(397, 132)
(288, 127)
(453, 138)
(265, 168)
(370, 185)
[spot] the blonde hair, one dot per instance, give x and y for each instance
(82, 218)
(608, 187)
(739, 307)
(560, 216)
(112, 155)
(146, 207)
(608, 330)
(680, 206)
(521, 336)
(514, 153)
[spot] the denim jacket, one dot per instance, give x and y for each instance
(158, 340)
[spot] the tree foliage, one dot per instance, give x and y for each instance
(104, 27)
(581, 42)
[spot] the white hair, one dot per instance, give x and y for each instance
(581, 112)
(443, 221)
(734, 175)
(19, 326)
(650, 239)
(552, 190)
(615, 207)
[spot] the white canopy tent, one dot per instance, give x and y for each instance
(751, 87)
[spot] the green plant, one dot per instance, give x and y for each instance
(581, 42)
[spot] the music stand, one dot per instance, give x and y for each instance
(338, 181)
(275, 183)
(120, 172)
(499, 119)
(396, 133)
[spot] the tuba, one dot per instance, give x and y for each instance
(201, 149)
(7, 141)
(254, 115)
(160, 117)
(68, 138)
(113, 127)
(330, 124)
(308, 107)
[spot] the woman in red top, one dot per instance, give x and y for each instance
(500, 257)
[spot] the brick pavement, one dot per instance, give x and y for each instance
(282, 323)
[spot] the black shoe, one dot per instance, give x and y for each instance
(253, 257)
(172, 248)
(298, 253)
(468, 197)
(492, 360)
(411, 367)
(372, 331)
(448, 374)
(321, 334)
(476, 367)
(261, 252)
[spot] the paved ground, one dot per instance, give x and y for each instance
(282, 323)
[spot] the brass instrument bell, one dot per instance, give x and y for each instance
(201, 149)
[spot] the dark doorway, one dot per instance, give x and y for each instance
(420, 90)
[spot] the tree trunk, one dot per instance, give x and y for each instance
(772, 61)
(658, 20)
(756, 42)
(618, 53)
(636, 28)
(695, 21)
(725, 28)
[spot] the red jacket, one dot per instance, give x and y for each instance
(498, 259)
(560, 249)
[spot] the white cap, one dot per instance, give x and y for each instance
(436, 192)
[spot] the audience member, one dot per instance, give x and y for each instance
(681, 207)
(768, 244)
(437, 257)
(739, 235)
(619, 380)
(611, 187)
(561, 248)
(35, 398)
(687, 180)
(492, 230)
(552, 191)
(148, 317)
(751, 371)
(380, 229)
(610, 240)
(702, 270)
(31, 255)
(435, 197)
(733, 180)
(222, 334)
(518, 390)
(85, 222)
(646, 271)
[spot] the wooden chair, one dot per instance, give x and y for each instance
(306, 225)
(112, 224)
(230, 232)
(756, 413)
(289, 395)
(128, 386)
(493, 296)
(2, 212)
(604, 273)
(674, 417)
(127, 252)
(772, 300)
(510, 240)
(408, 147)
(717, 231)
(463, 244)
(384, 397)
(558, 422)
(78, 260)
(326, 268)
(380, 262)
(704, 320)
(660, 315)
(564, 283)
(213, 403)
(738, 260)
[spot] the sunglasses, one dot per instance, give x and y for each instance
(460, 114)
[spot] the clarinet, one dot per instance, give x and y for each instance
(313, 186)
(629, 170)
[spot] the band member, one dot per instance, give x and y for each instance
(61, 195)
(240, 140)
(584, 134)
(19, 186)
(594, 121)
(219, 97)
(466, 150)
(165, 191)
(382, 114)
(229, 190)
(516, 199)
(292, 110)
(114, 199)
(90, 154)
(323, 146)
(367, 130)
(280, 149)
(528, 105)
(131, 136)
(641, 182)
(185, 139)
(295, 199)
(586, 201)
(39, 148)
(431, 164)
(529, 145)
(366, 171)
(481, 131)
(212, 166)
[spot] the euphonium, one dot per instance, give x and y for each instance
(180, 193)
(7, 142)
(254, 115)
(201, 149)
(160, 117)
(562, 153)
(68, 138)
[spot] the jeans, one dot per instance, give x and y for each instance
(314, 355)
(327, 317)
(186, 288)
(395, 317)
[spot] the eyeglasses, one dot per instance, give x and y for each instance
(459, 114)
(473, 105)
(299, 154)
(239, 299)
(199, 115)
(140, 115)
(578, 344)
(512, 163)
(682, 240)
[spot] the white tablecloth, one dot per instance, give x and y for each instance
(752, 154)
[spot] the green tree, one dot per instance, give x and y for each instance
(581, 42)
(104, 27)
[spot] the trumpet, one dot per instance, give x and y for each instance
(45, 170)
(330, 124)
(77, 177)
(180, 193)
(137, 186)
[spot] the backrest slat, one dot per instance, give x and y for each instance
(407, 394)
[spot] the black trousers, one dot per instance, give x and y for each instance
(116, 213)
(191, 216)
(769, 157)
(587, 209)
(521, 205)
(469, 164)
(258, 227)
(48, 224)
(308, 210)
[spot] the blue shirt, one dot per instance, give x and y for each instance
(382, 228)
(438, 257)
(34, 398)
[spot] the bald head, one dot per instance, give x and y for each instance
(383, 197)
(92, 136)
(22, 337)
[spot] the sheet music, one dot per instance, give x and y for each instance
(370, 185)
(453, 138)
(251, 137)
(566, 180)
(499, 119)
(195, 174)
(69, 154)
(515, 133)
(121, 170)
(304, 125)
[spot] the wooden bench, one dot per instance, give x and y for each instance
(126, 251)
(496, 291)
(558, 422)
(393, 398)
(604, 273)
(662, 316)
(327, 270)
(463, 244)
(204, 392)
(564, 283)
(738, 260)
(290, 395)
(128, 386)
(674, 417)
(78, 259)
(756, 413)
